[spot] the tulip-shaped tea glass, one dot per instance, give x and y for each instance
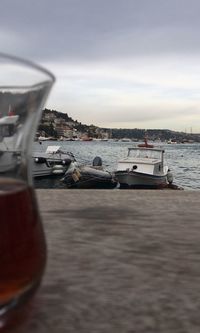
(24, 88)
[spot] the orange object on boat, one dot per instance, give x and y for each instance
(145, 144)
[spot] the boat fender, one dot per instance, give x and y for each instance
(97, 161)
(76, 175)
(134, 167)
(170, 177)
(58, 167)
(58, 171)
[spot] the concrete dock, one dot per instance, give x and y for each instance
(119, 261)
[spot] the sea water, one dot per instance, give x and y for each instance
(182, 159)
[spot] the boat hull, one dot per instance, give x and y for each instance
(131, 179)
(53, 162)
(43, 170)
(89, 178)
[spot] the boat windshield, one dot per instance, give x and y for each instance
(145, 153)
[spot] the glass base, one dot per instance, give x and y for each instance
(14, 312)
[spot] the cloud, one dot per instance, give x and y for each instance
(93, 29)
(133, 94)
(112, 56)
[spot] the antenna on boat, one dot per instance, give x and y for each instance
(145, 144)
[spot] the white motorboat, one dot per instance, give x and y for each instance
(8, 142)
(52, 162)
(143, 168)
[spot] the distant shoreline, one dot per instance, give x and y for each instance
(60, 126)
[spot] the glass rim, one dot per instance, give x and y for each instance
(28, 64)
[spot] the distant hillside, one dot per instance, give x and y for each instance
(115, 133)
(153, 134)
(57, 114)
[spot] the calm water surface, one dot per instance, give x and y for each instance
(182, 159)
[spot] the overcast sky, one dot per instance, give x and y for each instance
(118, 63)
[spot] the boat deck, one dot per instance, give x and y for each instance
(144, 160)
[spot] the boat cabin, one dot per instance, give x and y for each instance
(143, 160)
(8, 126)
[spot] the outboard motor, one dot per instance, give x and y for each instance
(97, 161)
